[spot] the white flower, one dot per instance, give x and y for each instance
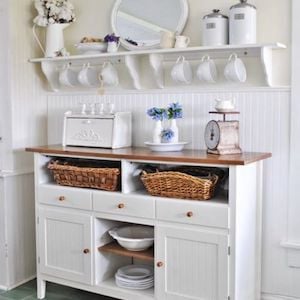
(41, 21)
(51, 21)
(53, 11)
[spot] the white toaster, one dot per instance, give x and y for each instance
(103, 130)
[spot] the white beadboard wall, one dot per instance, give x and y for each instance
(264, 127)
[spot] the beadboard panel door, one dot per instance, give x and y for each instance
(264, 127)
(182, 251)
(65, 243)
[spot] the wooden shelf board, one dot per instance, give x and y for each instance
(115, 248)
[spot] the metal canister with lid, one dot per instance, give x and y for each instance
(215, 29)
(242, 24)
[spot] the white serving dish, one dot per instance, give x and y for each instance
(91, 48)
(134, 238)
(165, 147)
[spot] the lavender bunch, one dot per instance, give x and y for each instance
(111, 38)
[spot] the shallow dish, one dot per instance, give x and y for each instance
(134, 238)
(225, 109)
(165, 147)
(91, 48)
(135, 272)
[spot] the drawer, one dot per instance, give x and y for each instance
(122, 204)
(65, 196)
(203, 213)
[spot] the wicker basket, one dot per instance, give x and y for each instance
(98, 178)
(179, 185)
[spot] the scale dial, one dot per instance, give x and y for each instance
(212, 135)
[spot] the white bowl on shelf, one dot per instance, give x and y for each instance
(165, 147)
(134, 238)
(91, 48)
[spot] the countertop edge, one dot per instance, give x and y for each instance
(136, 153)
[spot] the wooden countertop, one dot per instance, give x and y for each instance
(134, 153)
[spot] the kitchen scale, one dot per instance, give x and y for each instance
(222, 137)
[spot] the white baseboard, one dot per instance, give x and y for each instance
(276, 297)
(5, 288)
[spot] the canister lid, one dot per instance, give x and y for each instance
(215, 14)
(243, 4)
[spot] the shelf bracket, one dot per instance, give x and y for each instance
(51, 74)
(266, 60)
(133, 65)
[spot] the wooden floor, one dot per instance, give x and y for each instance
(27, 291)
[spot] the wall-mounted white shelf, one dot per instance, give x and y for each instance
(156, 57)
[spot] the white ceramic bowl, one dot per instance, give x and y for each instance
(134, 238)
(91, 48)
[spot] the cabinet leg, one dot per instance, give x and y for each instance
(41, 288)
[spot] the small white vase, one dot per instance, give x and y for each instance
(174, 128)
(156, 137)
(113, 46)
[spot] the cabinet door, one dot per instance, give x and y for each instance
(65, 245)
(191, 264)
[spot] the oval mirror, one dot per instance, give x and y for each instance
(140, 22)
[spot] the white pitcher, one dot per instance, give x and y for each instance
(54, 39)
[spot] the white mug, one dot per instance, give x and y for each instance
(182, 41)
(235, 69)
(109, 74)
(167, 39)
(88, 76)
(113, 46)
(182, 71)
(207, 70)
(68, 77)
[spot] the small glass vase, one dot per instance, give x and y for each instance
(174, 128)
(156, 136)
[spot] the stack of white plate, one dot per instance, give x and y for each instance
(136, 277)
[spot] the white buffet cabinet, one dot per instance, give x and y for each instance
(206, 250)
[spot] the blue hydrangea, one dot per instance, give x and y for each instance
(157, 114)
(167, 135)
(174, 111)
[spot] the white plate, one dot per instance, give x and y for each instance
(134, 281)
(91, 48)
(134, 287)
(135, 272)
(165, 147)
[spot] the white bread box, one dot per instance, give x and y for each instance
(103, 130)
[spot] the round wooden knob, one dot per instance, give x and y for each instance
(160, 264)
(61, 198)
(86, 251)
(121, 205)
(189, 214)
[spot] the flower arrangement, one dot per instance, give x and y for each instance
(53, 12)
(157, 114)
(111, 38)
(174, 111)
(167, 135)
